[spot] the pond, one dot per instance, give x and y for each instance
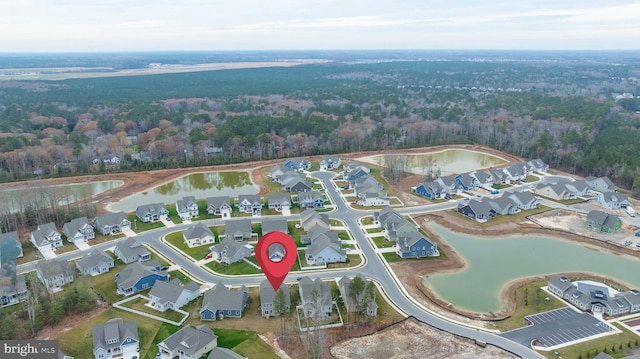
(60, 194)
(447, 162)
(492, 263)
(199, 185)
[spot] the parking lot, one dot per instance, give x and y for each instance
(557, 327)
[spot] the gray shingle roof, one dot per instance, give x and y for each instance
(131, 247)
(169, 292)
(222, 298)
(224, 353)
(134, 272)
(190, 339)
(234, 250)
(597, 216)
(274, 224)
(53, 267)
(198, 231)
(322, 243)
(307, 285)
(113, 329)
(153, 208)
(110, 219)
(218, 202)
(281, 198)
(71, 228)
(268, 295)
(93, 259)
(237, 226)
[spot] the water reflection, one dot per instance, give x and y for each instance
(446, 162)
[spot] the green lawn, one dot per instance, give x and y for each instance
(367, 220)
(530, 299)
(139, 305)
(138, 226)
(197, 253)
(179, 275)
(500, 186)
(375, 230)
(381, 242)
(234, 268)
(353, 260)
(616, 345)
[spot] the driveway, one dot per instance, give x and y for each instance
(82, 245)
(48, 253)
(286, 211)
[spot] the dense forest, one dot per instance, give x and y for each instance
(575, 111)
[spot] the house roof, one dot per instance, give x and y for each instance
(74, 226)
(169, 292)
(110, 219)
(406, 240)
(466, 179)
(197, 231)
(232, 248)
(53, 267)
(222, 298)
(130, 247)
(560, 282)
(523, 197)
(218, 202)
(152, 208)
(306, 286)
(309, 196)
(478, 207)
(135, 271)
(274, 224)
(614, 197)
(113, 329)
(611, 222)
(482, 176)
(597, 216)
(268, 295)
(94, 258)
(237, 226)
(182, 205)
(310, 218)
(251, 198)
(502, 202)
(323, 243)
(224, 353)
(44, 232)
(580, 186)
(317, 232)
(190, 339)
(279, 198)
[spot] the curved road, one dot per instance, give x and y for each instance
(373, 267)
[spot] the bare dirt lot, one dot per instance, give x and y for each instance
(412, 339)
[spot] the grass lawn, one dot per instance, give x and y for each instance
(367, 220)
(274, 188)
(531, 178)
(377, 174)
(535, 303)
(393, 257)
(381, 242)
(139, 305)
(394, 201)
(500, 186)
(197, 253)
(375, 230)
(138, 226)
(614, 345)
(509, 218)
(179, 275)
(234, 268)
(352, 261)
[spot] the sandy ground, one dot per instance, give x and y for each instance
(412, 339)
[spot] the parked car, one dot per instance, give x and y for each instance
(637, 234)
(208, 256)
(495, 192)
(448, 198)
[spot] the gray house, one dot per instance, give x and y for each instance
(599, 221)
(190, 342)
(78, 229)
(250, 204)
(601, 184)
(310, 199)
(112, 223)
(315, 296)
(219, 206)
(238, 229)
(324, 250)
(116, 339)
(46, 237)
(54, 274)
(613, 200)
(274, 225)
(220, 302)
(525, 200)
(309, 218)
(129, 250)
(330, 163)
(267, 298)
(230, 251)
(152, 212)
(224, 353)
(370, 305)
(172, 294)
(317, 233)
(198, 235)
(480, 211)
(279, 201)
(187, 208)
(504, 205)
(94, 263)
(13, 293)
(556, 191)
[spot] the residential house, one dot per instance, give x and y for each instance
(107, 160)
(198, 235)
(599, 221)
(415, 245)
(94, 263)
(46, 237)
(601, 184)
(324, 250)
(130, 250)
(54, 274)
(238, 229)
(558, 285)
(311, 199)
(525, 200)
(279, 202)
(449, 185)
(297, 186)
(249, 203)
(220, 302)
(480, 211)
(172, 294)
(467, 182)
(298, 164)
(230, 251)
(431, 190)
(315, 296)
(148, 213)
(516, 171)
(484, 179)
(555, 191)
(369, 191)
(537, 165)
(224, 353)
(190, 342)
(13, 237)
(78, 229)
(187, 208)
(499, 177)
(219, 206)
(503, 205)
(268, 296)
(352, 304)
(277, 171)
(355, 170)
(318, 233)
(13, 291)
(274, 225)
(289, 177)
(139, 276)
(580, 188)
(112, 223)
(116, 339)
(309, 218)
(613, 200)
(330, 163)
(394, 224)
(369, 199)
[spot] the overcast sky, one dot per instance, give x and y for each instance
(147, 25)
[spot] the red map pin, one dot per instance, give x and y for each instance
(276, 252)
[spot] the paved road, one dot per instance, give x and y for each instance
(374, 267)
